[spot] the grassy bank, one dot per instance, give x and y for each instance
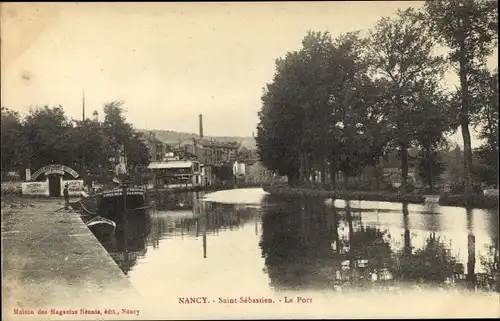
(476, 201)
(283, 190)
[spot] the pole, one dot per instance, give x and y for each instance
(205, 234)
(124, 221)
(83, 120)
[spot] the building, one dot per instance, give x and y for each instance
(120, 161)
(257, 173)
(157, 149)
(175, 174)
(207, 175)
(209, 152)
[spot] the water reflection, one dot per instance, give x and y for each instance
(296, 238)
(310, 244)
(128, 244)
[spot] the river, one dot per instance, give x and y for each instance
(343, 259)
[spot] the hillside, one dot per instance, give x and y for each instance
(173, 138)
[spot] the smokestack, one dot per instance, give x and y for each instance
(201, 126)
(83, 104)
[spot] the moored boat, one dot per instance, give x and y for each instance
(114, 203)
(101, 226)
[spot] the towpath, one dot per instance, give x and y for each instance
(51, 261)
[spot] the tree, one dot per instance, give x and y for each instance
(484, 96)
(48, 132)
(122, 137)
(429, 166)
(115, 125)
(435, 119)
(321, 110)
(13, 144)
(279, 129)
(92, 145)
(359, 121)
(470, 30)
(403, 56)
(137, 152)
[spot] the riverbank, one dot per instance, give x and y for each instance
(210, 188)
(51, 260)
(286, 191)
(476, 201)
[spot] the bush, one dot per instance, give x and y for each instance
(458, 187)
(476, 201)
(351, 195)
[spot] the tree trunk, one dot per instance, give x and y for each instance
(333, 181)
(404, 169)
(351, 238)
(302, 167)
(346, 181)
(430, 162)
(323, 173)
(464, 121)
(471, 251)
(406, 224)
(293, 178)
(306, 168)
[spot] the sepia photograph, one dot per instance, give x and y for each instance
(249, 160)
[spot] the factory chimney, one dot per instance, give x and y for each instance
(201, 126)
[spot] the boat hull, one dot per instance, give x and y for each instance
(114, 205)
(102, 227)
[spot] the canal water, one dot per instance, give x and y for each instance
(343, 259)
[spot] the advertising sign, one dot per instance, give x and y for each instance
(35, 188)
(75, 187)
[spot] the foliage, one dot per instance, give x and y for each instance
(321, 110)
(122, 137)
(279, 128)
(93, 145)
(470, 30)
(403, 56)
(49, 133)
(429, 166)
(137, 152)
(433, 262)
(484, 89)
(46, 136)
(12, 140)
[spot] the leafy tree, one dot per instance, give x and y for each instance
(321, 110)
(115, 125)
(48, 132)
(470, 30)
(280, 120)
(316, 76)
(137, 152)
(93, 145)
(403, 56)
(484, 92)
(436, 118)
(13, 141)
(359, 117)
(121, 136)
(429, 166)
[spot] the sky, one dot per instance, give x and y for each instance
(168, 62)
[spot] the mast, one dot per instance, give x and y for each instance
(83, 120)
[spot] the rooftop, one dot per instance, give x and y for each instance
(171, 164)
(212, 143)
